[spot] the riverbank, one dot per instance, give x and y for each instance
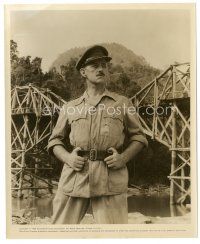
(133, 218)
(133, 190)
(145, 206)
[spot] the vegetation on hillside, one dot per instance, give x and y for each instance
(128, 72)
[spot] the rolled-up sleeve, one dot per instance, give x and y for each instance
(59, 133)
(133, 127)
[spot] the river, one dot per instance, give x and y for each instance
(156, 204)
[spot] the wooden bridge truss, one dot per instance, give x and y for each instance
(163, 109)
(33, 118)
(164, 112)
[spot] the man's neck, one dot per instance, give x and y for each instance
(95, 90)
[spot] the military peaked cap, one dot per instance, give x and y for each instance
(92, 54)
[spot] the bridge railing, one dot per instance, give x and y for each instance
(29, 99)
(173, 83)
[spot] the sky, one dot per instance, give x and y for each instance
(162, 37)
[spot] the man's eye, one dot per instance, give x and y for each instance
(97, 65)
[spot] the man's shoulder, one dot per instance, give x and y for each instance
(75, 101)
(118, 97)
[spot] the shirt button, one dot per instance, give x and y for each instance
(92, 110)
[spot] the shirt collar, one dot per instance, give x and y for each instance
(105, 94)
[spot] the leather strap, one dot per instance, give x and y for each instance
(96, 155)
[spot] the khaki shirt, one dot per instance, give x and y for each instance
(99, 124)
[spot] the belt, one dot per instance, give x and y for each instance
(95, 155)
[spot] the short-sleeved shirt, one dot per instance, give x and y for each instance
(100, 124)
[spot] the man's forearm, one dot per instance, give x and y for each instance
(61, 153)
(132, 150)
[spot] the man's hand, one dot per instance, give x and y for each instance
(74, 161)
(115, 161)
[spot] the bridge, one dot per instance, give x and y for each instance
(163, 109)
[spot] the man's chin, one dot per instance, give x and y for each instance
(100, 80)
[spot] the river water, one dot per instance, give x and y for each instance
(156, 204)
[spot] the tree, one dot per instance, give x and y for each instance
(56, 83)
(73, 80)
(23, 69)
(13, 52)
(13, 60)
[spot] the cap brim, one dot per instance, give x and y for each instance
(89, 61)
(84, 60)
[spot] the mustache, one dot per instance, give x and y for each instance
(100, 74)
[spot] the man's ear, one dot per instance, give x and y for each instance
(82, 72)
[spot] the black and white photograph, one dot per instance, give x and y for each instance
(100, 115)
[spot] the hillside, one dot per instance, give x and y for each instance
(120, 55)
(128, 71)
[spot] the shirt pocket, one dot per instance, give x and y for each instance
(79, 130)
(118, 180)
(112, 125)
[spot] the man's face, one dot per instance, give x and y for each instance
(95, 72)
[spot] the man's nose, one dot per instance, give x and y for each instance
(100, 67)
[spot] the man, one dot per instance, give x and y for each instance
(95, 172)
